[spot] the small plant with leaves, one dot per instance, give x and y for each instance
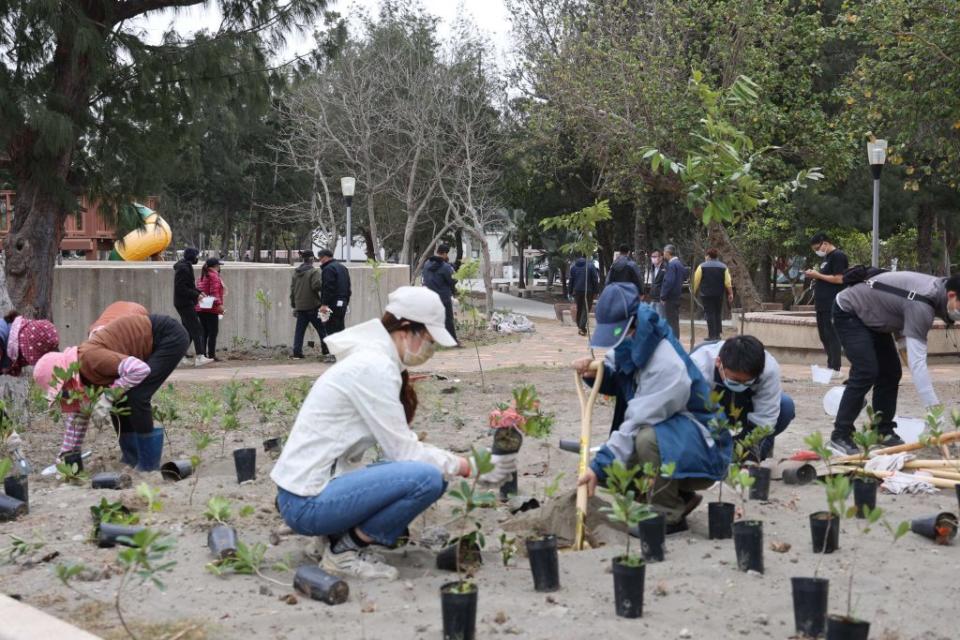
(470, 498)
(248, 560)
(165, 407)
(150, 496)
(146, 559)
(219, 509)
(70, 473)
(623, 486)
(508, 549)
(21, 548)
(523, 413)
(295, 394)
(108, 512)
(232, 405)
(201, 441)
(264, 305)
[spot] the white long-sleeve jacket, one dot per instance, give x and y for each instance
(350, 408)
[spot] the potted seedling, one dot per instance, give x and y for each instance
(232, 405)
(629, 569)
(458, 600)
(864, 486)
(825, 525)
(720, 514)
(510, 422)
(11, 507)
(652, 529)
(222, 538)
(747, 534)
(113, 521)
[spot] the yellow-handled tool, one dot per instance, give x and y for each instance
(586, 425)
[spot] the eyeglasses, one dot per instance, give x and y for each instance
(749, 383)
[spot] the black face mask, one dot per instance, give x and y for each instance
(195, 261)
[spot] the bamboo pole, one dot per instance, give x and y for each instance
(940, 473)
(953, 436)
(932, 464)
(586, 426)
(943, 483)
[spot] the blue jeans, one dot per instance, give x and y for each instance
(788, 412)
(379, 500)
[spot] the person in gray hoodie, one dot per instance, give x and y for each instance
(438, 277)
(305, 302)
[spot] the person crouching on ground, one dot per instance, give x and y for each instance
(136, 353)
(667, 417)
(748, 379)
(24, 341)
(363, 401)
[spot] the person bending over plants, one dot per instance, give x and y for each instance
(748, 380)
(663, 406)
(366, 400)
(135, 354)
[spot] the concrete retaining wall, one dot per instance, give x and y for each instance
(83, 290)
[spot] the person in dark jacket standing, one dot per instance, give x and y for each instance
(438, 277)
(584, 283)
(305, 302)
(827, 283)
(624, 269)
(672, 288)
(334, 292)
(655, 281)
(712, 282)
(186, 296)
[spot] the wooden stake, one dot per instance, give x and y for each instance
(953, 436)
(940, 473)
(586, 426)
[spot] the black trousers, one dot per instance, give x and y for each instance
(713, 314)
(190, 320)
(671, 310)
(829, 338)
(304, 319)
(584, 303)
(170, 342)
(210, 324)
(449, 322)
(338, 318)
(874, 364)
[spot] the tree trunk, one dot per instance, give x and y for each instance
(640, 242)
(458, 239)
(486, 269)
(372, 247)
(522, 283)
(739, 269)
(258, 237)
(925, 222)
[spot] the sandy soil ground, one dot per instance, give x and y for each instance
(906, 590)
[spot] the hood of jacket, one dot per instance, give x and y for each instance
(434, 263)
(306, 266)
(182, 264)
(580, 262)
(366, 335)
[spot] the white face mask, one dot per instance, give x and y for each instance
(421, 355)
(822, 254)
(655, 261)
(954, 314)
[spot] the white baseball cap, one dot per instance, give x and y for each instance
(422, 305)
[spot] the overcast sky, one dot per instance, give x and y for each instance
(490, 16)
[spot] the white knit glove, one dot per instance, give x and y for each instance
(504, 466)
(100, 417)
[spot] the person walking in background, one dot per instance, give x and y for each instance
(672, 288)
(654, 281)
(334, 292)
(305, 302)
(624, 269)
(438, 277)
(185, 299)
(210, 307)
(712, 282)
(584, 283)
(827, 283)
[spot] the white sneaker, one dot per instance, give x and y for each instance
(200, 361)
(836, 374)
(357, 564)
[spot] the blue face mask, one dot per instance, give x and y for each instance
(736, 387)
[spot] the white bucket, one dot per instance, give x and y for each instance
(821, 375)
(831, 401)
(910, 429)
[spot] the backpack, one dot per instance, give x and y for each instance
(859, 273)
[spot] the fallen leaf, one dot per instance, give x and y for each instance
(500, 618)
(779, 547)
(289, 599)
(660, 589)
(368, 607)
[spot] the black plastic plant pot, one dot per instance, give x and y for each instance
(748, 543)
(74, 458)
(509, 488)
(18, 487)
(506, 440)
(941, 528)
(109, 534)
(799, 474)
(459, 607)
(177, 470)
(317, 584)
(222, 541)
(865, 494)
(11, 508)
(843, 628)
(273, 445)
(470, 555)
(245, 460)
(628, 588)
(761, 483)
(652, 533)
(720, 520)
(810, 605)
(825, 532)
(111, 480)
(544, 563)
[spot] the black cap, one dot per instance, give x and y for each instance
(213, 262)
(306, 253)
(190, 254)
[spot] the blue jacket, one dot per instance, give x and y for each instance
(673, 280)
(438, 277)
(4, 337)
(582, 275)
(664, 390)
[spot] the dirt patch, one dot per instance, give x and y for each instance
(697, 588)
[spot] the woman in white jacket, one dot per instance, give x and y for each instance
(366, 399)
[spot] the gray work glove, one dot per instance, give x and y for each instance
(504, 466)
(100, 417)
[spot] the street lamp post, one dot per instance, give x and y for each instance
(347, 186)
(877, 155)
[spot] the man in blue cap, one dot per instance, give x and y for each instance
(663, 413)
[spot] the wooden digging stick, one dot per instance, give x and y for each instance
(586, 426)
(900, 448)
